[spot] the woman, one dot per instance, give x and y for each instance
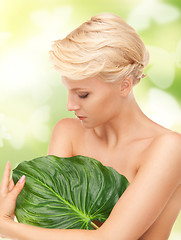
(100, 63)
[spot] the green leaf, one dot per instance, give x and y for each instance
(67, 192)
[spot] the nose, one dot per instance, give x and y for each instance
(72, 104)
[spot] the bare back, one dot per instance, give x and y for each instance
(126, 158)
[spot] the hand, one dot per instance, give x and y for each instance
(8, 195)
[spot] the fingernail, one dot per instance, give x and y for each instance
(21, 180)
(8, 163)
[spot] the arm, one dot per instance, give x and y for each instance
(60, 145)
(134, 213)
(157, 179)
(27, 232)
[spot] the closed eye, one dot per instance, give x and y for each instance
(83, 95)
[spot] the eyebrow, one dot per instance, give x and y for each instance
(75, 89)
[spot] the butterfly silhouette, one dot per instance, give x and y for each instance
(161, 69)
(148, 10)
(164, 109)
(52, 24)
(16, 131)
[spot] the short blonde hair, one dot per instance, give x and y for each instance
(104, 46)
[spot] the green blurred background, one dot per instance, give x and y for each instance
(32, 98)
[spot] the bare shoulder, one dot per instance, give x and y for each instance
(68, 128)
(63, 135)
(168, 141)
(67, 122)
(68, 125)
(164, 154)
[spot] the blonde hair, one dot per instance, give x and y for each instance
(104, 46)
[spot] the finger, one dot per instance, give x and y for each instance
(5, 178)
(2, 237)
(18, 187)
(11, 184)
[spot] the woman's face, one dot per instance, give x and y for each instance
(93, 101)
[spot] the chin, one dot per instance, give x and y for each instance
(90, 125)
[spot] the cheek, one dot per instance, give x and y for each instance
(98, 106)
(106, 107)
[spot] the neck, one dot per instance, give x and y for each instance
(125, 126)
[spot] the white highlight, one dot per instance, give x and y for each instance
(140, 18)
(162, 67)
(164, 108)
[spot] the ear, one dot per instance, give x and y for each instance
(126, 86)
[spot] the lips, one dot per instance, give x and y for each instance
(80, 117)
